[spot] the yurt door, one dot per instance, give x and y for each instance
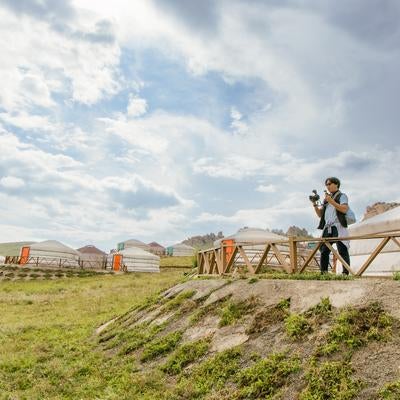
(229, 246)
(117, 261)
(24, 255)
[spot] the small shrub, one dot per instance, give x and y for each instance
(330, 381)
(253, 280)
(297, 326)
(355, 327)
(233, 311)
(210, 375)
(185, 355)
(396, 276)
(264, 379)
(178, 300)
(390, 391)
(161, 346)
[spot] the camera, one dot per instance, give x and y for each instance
(314, 197)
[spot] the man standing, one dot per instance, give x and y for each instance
(333, 222)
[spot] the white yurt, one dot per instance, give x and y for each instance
(135, 260)
(251, 236)
(181, 250)
(51, 253)
(132, 243)
(2, 259)
(388, 261)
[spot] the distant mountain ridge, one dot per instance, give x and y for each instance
(378, 208)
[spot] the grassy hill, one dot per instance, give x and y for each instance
(115, 337)
(12, 248)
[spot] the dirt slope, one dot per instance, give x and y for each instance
(276, 339)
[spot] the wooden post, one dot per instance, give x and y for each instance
(293, 254)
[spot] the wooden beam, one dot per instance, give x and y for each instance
(263, 258)
(372, 257)
(395, 240)
(280, 258)
(218, 261)
(246, 260)
(339, 257)
(310, 257)
(231, 261)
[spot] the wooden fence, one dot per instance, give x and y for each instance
(55, 262)
(294, 255)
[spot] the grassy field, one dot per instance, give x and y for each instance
(47, 344)
(177, 262)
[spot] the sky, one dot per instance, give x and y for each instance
(163, 119)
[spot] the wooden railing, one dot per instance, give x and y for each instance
(82, 263)
(294, 255)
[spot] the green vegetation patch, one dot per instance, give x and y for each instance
(211, 375)
(354, 327)
(330, 381)
(161, 346)
(311, 276)
(396, 276)
(390, 391)
(272, 315)
(297, 325)
(234, 311)
(177, 301)
(184, 355)
(266, 377)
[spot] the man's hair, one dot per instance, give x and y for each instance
(334, 180)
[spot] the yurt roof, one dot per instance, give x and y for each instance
(53, 245)
(385, 222)
(133, 242)
(250, 235)
(157, 245)
(91, 249)
(136, 251)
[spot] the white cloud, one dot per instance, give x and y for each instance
(12, 182)
(136, 107)
(266, 188)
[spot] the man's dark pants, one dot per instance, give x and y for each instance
(325, 251)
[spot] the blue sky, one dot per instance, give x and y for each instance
(159, 120)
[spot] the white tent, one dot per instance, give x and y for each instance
(388, 261)
(51, 252)
(2, 259)
(133, 243)
(181, 250)
(252, 236)
(138, 260)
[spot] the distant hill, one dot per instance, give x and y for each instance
(203, 241)
(293, 231)
(12, 248)
(378, 208)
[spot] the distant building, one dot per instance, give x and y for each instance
(180, 250)
(156, 248)
(92, 257)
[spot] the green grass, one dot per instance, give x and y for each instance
(177, 262)
(330, 381)
(264, 379)
(211, 375)
(48, 349)
(312, 276)
(184, 355)
(161, 346)
(233, 311)
(354, 328)
(297, 325)
(390, 391)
